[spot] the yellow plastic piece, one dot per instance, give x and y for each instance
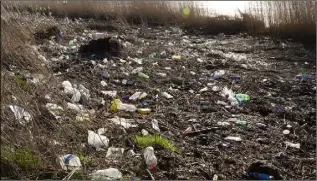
(176, 57)
(144, 111)
(114, 105)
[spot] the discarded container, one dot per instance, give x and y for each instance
(109, 93)
(215, 88)
(54, 109)
(303, 77)
(126, 107)
(161, 74)
(107, 174)
(135, 96)
(98, 141)
(69, 162)
(176, 57)
(144, 132)
(233, 138)
(293, 145)
(142, 96)
(241, 123)
(150, 158)
(20, 114)
(143, 75)
(261, 176)
(114, 152)
(166, 95)
(155, 125)
(144, 110)
(114, 105)
(76, 96)
(242, 98)
(126, 123)
(144, 104)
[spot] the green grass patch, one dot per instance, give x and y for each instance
(24, 158)
(21, 82)
(151, 140)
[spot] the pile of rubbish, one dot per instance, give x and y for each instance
(222, 110)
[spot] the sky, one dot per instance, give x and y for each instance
(225, 7)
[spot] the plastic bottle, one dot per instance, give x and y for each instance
(144, 111)
(150, 158)
(126, 107)
(143, 75)
(261, 176)
(166, 95)
(69, 162)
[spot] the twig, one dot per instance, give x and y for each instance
(148, 171)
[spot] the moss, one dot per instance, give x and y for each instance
(23, 158)
(21, 82)
(151, 140)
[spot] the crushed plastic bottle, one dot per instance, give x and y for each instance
(155, 125)
(242, 98)
(110, 93)
(126, 123)
(69, 162)
(150, 158)
(20, 114)
(233, 138)
(97, 140)
(107, 174)
(117, 105)
(261, 176)
(114, 152)
(144, 110)
(166, 95)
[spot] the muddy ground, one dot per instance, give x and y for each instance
(267, 70)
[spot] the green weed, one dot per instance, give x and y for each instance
(151, 140)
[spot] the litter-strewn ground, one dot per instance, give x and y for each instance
(198, 71)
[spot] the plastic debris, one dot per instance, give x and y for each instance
(176, 57)
(150, 158)
(114, 152)
(137, 70)
(223, 123)
(75, 107)
(106, 75)
(143, 75)
(126, 123)
(166, 95)
(97, 140)
(286, 132)
(155, 125)
(242, 98)
(144, 110)
(107, 174)
(144, 132)
(69, 162)
(232, 138)
(110, 93)
(203, 89)
(54, 109)
(293, 145)
(218, 74)
(20, 114)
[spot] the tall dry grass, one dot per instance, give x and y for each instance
(288, 19)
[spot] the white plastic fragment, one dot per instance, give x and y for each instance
(223, 123)
(110, 93)
(69, 162)
(114, 152)
(20, 114)
(286, 132)
(167, 95)
(203, 89)
(103, 83)
(233, 138)
(107, 174)
(97, 140)
(54, 109)
(144, 132)
(75, 107)
(149, 157)
(293, 145)
(126, 123)
(155, 125)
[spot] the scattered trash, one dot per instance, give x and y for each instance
(126, 123)
(114, 152)
(144, 110)
(218, 74)
(110, 93)
(286, 132)
(144, 132)
(155, 125)
(152, 55)
(189, 129)
(166, 95)
(54, 109)
(97, 140)
(137, 70)
(117, 105)
(69, 162)
(107, 174)
(233, 138)
(242, 98)
(150, 158)
(261, 125)
(235, 77)
(303, 77)
(130, 153)
(75, 107)
(262, 171)
(106, 75)
(293, 145)
(176, 57)
(20, 114)
(223, 123)
(143, 75)
(203, 89)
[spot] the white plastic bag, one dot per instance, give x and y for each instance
(97, 140)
